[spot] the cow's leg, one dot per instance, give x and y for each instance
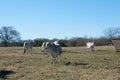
(24, 50)
(60, 58)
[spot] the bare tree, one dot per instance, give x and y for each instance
(112, 32)
(8, 34)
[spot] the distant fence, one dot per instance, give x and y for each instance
(116, 43)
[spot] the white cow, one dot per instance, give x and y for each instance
(28, 45)
(90, 46)
(54, 50)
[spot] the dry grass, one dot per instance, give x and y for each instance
(78, 63)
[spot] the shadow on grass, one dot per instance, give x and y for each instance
(4, 73)
(75, 64)
(70, 52)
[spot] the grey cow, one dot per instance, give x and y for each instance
(54, 50)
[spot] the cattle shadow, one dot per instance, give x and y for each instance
(75, 64)
(70, 52)
(4, 73)
(100, 50)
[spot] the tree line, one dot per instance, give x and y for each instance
(9, 36)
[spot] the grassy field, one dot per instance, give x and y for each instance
(78, 63)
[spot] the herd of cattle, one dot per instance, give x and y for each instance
(53, 48)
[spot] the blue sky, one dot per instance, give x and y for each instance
(60, 18)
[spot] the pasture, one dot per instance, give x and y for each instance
(77, 63)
